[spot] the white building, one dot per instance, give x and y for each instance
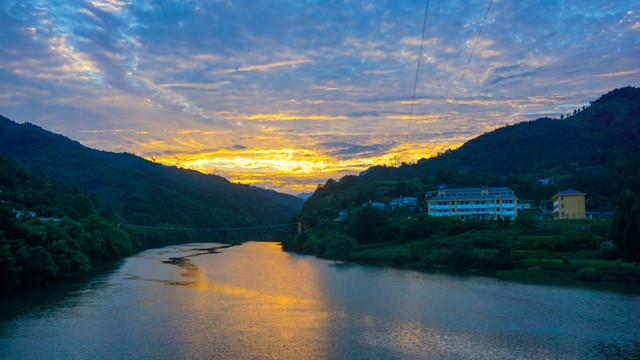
(402, 201)
(484, 202)
(375, 204)
(342, 216)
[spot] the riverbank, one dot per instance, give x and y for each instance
(530, 250)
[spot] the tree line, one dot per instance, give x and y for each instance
(71, 231)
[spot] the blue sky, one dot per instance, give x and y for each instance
(286, 94)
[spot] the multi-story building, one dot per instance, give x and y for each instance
(569, 204)
(484, 202)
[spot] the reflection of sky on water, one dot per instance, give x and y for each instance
(255, 301)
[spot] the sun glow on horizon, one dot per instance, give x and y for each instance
(293, 170)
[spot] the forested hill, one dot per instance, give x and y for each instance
(595, 150)
(591, 142)
(141, 191)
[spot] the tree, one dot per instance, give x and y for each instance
(625, 227)
(368, 224)
(9, 270)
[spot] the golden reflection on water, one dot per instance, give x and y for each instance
(270, 307)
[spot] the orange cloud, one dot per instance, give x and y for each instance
(286, 116)
(293, 170)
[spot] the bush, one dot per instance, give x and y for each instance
(339, 247)
(590, 274)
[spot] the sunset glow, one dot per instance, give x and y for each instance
(286, 95)
(291, 170)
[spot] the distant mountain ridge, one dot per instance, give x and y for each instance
(142, 191)
(596, 150)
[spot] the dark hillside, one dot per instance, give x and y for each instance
(142, 191)
(596, 150)
(49, 229)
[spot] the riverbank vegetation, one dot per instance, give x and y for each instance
(65, 207)
(594, 150)
(49, 230)
(524, 248)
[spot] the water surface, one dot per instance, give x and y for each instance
(254, 301)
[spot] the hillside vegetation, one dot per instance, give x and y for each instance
(141, 191)
(49, 229)
(596, 150)
(65, 207)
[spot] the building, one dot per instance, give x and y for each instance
(569, 204)
(409, 202)
(484, 202)
(548, 181)
(375, 204)
(342, 216)
(524, 206)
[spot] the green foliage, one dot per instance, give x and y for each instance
(9, 269)
(142, 192)
(34, 251)
(625, 227)
(368, 224)
(600, 155)
(590, 274)
(337, 247)
(73, 236)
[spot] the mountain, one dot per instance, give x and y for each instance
(595, 150)
(606, 132)
(304, 195)
(141, 191)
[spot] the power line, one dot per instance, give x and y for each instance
(415, 83)
(473, 49)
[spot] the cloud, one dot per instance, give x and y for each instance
(110, 5)
(327, 87)
(267, 66)
(287, 116)
(520, 76)
(200, 85)
(379, 72)
(619, 73)
(341, 148)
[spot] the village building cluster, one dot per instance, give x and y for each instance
(482, 202)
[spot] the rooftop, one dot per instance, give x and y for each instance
(571, 192)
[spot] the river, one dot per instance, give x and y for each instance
(254, 301)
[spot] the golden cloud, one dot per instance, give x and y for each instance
(286, 116)
(293, 170)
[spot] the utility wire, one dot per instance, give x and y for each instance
(469, 61)
(415, 83)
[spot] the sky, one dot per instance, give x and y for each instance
(287, 94)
